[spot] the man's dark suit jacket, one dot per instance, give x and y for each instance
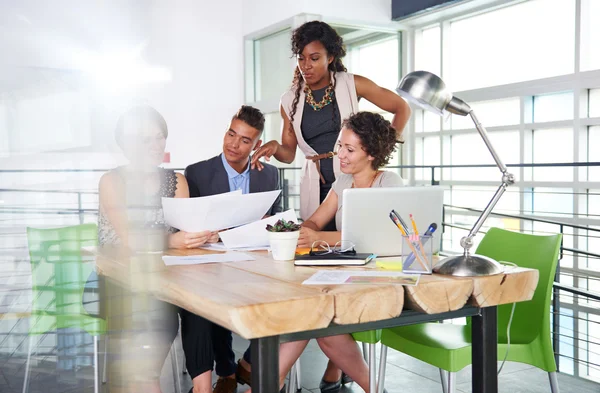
(210, 178)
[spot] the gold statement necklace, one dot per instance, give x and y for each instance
(326, 100)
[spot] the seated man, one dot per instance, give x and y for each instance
(229, 171)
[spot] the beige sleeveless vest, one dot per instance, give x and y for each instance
(347, 100)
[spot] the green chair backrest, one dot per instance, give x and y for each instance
(529, 251)
(59, 275)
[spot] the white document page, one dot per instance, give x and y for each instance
(217, 212)
(338, 277)
(221, 247)
(254, 234)
(171, 260)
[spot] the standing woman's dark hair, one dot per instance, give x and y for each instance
(333, 43)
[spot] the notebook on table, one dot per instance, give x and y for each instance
(357, 259)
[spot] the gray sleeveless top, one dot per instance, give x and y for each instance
(148, 215)
(320, 130)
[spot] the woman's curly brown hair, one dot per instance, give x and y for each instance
(376, 134)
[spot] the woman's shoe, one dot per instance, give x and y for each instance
(330, 387)
(346, 378)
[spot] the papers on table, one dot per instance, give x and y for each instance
(335, 277)
(221, 247)
(254, 235)
(171, 260)
(217, 212)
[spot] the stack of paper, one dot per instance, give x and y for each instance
(171, 260)
(217, 212)
(254, 235)
(335, 277)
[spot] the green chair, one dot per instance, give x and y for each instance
(58, 277)
(448, 347)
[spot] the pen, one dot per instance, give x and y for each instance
(396, 220)
(401, 221)
(414, 225)
(427, 235)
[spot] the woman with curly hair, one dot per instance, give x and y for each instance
(322, 94)
(366, 144)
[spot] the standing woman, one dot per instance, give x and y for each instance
(322, 94)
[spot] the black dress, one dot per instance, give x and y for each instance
(320, 130)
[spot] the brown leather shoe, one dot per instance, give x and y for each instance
(225, 385)
(242, 375)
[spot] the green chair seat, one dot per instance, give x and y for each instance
(448, 346)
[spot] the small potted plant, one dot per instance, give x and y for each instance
(283, 238)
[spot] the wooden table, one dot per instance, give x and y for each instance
(264, 301)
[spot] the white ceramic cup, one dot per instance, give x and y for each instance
(283, 245)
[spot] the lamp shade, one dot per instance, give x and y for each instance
(426, 90)
(429, 92)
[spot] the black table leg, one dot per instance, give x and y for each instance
(265, 365)
(485, 351)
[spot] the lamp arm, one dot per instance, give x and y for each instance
(467, 242)
(507, 179)
(488, 143)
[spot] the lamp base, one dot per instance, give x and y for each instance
(468, 266)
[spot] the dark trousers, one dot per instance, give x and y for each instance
(224, 355)
(196, 338)
(206, 343)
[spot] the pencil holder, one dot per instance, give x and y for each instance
(416, 254)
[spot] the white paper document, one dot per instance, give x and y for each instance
(221, 247)
(337, 277)
(217, 212)
(254, 234)
(172, 260)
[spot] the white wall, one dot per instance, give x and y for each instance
(199, 43)
(202, 43)
(259, 14)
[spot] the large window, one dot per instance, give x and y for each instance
(534, 83)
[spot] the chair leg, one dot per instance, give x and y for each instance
(298, 376)
(28, 365)
(451, 382)
(372, 368)
(175, 367)
(365, 352)
(444, 378)
(96, 372)
(382, 365)
(105, 357)
(553, 382)
(291, 386)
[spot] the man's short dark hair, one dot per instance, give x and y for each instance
(251, 116)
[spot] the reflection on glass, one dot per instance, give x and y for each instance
(428, 50)
(553, 107)
(594, 103)
(553, 146)
(273, 67)
(593, 152)
(492, 113)
(590, 35)
(553, 202)
(470, 149)
(485, 51)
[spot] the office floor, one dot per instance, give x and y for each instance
(404, 374)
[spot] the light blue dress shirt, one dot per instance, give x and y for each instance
(237, 181)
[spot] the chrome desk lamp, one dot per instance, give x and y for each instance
(429, 92)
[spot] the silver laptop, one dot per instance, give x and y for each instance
(366, 221)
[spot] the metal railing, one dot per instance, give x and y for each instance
(565, 228)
